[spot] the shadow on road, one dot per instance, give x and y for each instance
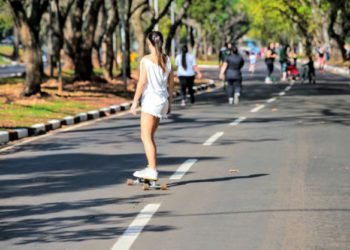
(44, 223)
(213, 180)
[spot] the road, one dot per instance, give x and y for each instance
(12, 70)
(290, 144)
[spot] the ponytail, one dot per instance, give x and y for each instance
(156, 39)
(183, 57)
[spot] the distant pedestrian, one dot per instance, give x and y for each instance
(231, 72)
(156, 86)
(186, 71)
(270, 57)
(284, 58)
(225, 52)
(252, 62)
(321, 59)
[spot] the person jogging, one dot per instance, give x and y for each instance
(270, 57)
(155, 85)
(231, 72)
(186, 71)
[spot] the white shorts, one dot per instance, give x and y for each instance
(157, 109)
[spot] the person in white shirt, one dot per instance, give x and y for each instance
(186, 71)
(155, 85)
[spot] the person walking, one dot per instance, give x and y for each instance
(252, 62)
(231, 72)
(224, 53)
(155, 85)
(321, 59)
(186, 71)
(270, 57)
(283, 58)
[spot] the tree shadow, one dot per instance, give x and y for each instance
(49, 174)
(43, 223)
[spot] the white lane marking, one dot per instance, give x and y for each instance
(288, 88)
(282, 93)
(271, 100)
(213, 138)
(181, 171)
(238, 121)
(257, 108)
(132, 232)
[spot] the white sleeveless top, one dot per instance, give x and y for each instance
(157, 81)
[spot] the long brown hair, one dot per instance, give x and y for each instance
(183, 57)
(156, 39)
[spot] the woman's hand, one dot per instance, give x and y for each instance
(221, 77)
(133, 108)
(169, 109)
(199, 75)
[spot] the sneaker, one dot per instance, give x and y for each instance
(236, 99)
(230, 100)
(183, 103)
(147, 173)
(268, 80)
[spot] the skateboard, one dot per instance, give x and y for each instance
(147, 184)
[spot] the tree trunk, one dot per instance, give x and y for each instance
(83, 62)
(137, 26)
(155, 21)
(339, 38)
(176, 24)
(28, 28)
(33, 63)
(15, 53)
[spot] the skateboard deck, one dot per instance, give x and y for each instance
(147, 184)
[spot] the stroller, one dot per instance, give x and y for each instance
(309, 72)
(293, 72)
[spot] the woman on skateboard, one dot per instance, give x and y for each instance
(155, 85)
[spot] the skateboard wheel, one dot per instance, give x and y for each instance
(146, 187)
(130, 182)
(163, 186)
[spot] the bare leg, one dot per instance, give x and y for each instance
(149, 126)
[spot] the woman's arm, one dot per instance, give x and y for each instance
(222, 71)
(170, 88)
(139, 88)
(196, 69)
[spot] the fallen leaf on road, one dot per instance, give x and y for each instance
(234, 170)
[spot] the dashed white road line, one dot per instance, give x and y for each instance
(288, 88)
(213, 138)
(282, 93)
(271, 100)
(257, 108)
(238, 121)
(132, 232)
(182, 170)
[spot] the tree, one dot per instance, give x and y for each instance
(27, 16)
(339, 23)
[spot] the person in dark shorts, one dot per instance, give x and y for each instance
(186, 71)
(231, 72)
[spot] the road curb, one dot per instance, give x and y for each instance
(43, 128)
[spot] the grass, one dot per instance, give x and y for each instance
(11, 80)
(19, 115)
(209, 62)
(6, 50)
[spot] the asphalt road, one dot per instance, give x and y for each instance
(12, 70)
(290, 145)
